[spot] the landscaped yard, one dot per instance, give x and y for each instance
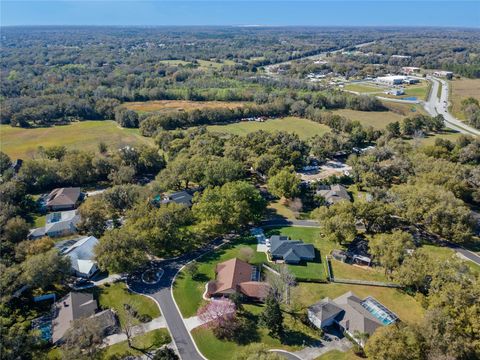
(115, 295)
(188, 292)
(302, 127)
(461, 89)
(338, 355)
(405, 306)
(85, 135)
(297, 335)
(149, 341)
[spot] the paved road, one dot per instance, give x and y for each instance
(435, 105)
(287, 222)
(161, 292)
(468, 254)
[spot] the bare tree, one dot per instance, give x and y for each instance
(246, 254)
(281, 284)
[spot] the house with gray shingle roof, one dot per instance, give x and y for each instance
(57, 224)
(290, 251)
(334, 193)
(352, 314)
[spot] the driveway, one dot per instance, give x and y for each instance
(161, 292)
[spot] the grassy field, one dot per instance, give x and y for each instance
(179, 105)
(85, 135)
(443, 254)
(115, 295)
(430, 139)
(377, 119)
(302, 127)
(149, 341)
(461, 89)
(363, 88)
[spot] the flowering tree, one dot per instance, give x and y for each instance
(217, 313)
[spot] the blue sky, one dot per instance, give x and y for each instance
(242, 12)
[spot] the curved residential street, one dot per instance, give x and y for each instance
(162, 294)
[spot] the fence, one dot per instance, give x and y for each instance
(331, 278)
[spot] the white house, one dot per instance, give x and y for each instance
(81, 256)
(57, 224)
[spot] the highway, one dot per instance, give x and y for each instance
(435, 105)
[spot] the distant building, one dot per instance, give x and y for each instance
(407, 70)
(63, 199)
(396, 92)
(290, 251)
(391, 80)
(352, 314)
(445, 74)
(237, 276)
(411, 81)
(401, 56)
(81, 255)
(57, 224)
(333, 193)
(78, 305)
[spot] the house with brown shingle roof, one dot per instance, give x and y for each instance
(63, 199)
(237, 276)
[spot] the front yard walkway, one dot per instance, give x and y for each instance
(156, 323)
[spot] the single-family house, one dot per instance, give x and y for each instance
(77, 305)
(63, 199)
(237, 276)
(81, 255)
(57, 224)
(352, 314)
(290, 251)
(180, 197)
(333, 194)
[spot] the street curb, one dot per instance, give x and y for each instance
(286, 352)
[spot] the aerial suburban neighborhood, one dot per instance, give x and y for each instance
(302, 186)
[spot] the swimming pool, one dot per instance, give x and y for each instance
(379, 311)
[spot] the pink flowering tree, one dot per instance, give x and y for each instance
(217, 313)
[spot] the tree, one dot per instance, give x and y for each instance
(83, 339)
(119, 251)
(93, 217)
(246, 253)
(165, 354)
(272, 317)
(281, 284)
(395, 342)
(220, 316)
(45, 269)
(414, 271)
(284, 184)
(124, 175)
(192, 269)
(390, 249)
(337, 222)
(126, 118)
(377, 216)
(228, 207)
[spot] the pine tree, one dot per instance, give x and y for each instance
(272, 317)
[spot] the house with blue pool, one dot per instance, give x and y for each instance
(351, 314)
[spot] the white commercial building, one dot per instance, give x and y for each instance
(391, 80)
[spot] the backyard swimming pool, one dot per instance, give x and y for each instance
(379, 311)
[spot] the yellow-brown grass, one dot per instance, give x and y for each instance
(460, 90)
(180, 105)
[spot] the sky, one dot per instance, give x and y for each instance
(242, 12)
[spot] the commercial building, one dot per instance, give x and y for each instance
(391, 80)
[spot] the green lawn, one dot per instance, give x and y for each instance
(338, 355)
(115, 295)
(188, 292)
(302, 127)
(376, 119)
(39, 220)
(444, 253)
(363, 88)
(405, 306)
(347, 271)
(296, 335)
(149, 341)
(85, 135)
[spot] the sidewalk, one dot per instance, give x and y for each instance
(156, 323)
